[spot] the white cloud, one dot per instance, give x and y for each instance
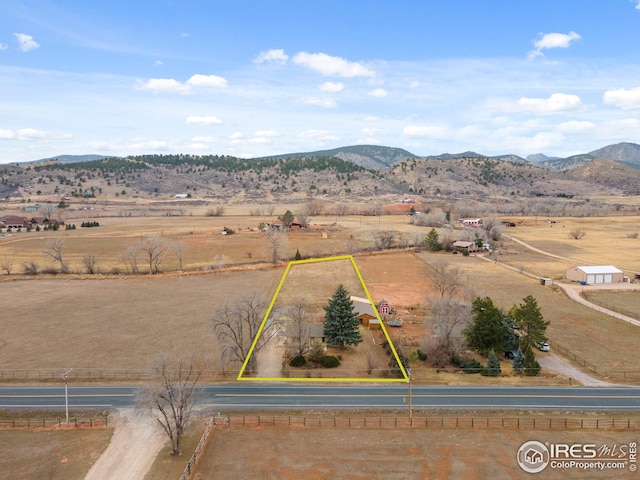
(328, 65)
(236, 135)
(556, 103)
(331, 87)
(272, 56)
(378, 92)
(158, 63)
(431, 131)
(374, 131)
(149, 146)
(576, 126)
(32, 134)
(207, 81)
(638, 5)
(317, 134)
(198, 120)
(203, 139)
(320, 102)
(370, 118)
(26, 42)
(171, 85)
(3, 46)
(266, 133)
(625, 99)
(552, 40)
(164, 85)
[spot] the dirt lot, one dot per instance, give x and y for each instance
(51, 454)
(317, 454)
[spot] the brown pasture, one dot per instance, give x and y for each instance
(121, 322)
(50, 453)
(370, 453)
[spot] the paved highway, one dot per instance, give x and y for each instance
(265, 396)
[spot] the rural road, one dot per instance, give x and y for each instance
(266, 396)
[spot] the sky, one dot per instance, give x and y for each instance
(253, 78)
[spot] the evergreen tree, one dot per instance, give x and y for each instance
(486, 331)
(287, 218)
(433, 241)
(531, 365)
(518, 362)
(529, 321)
(341, 326)
(298, 256)
(493, 364)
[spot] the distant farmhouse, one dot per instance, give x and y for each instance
(596, 274)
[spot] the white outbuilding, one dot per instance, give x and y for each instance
(595, 274)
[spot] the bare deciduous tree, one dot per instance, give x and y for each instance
(172, 400)
(341, 209)
(7, 265)
(130, 258)
(216, 211)
(30, 268)
(236, 325)
(383, 240)
(55, 249)
(313, 208)
(451, 317)
(445, 279)
(155, 249)
(298, 328)
(276, 242)
(493, 227)
(90, 263)
(577, 233)
(48, 211)
(179, 248)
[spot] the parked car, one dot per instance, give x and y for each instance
(543, 346)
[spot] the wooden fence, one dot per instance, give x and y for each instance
(394, 422)
(79, 422)
(102, 374)
(198, 450)
(612, 374)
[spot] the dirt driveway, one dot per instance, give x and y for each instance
(136, 441)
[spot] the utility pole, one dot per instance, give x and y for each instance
(66, 393)
(410, 411)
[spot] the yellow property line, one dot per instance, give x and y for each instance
(405, 377)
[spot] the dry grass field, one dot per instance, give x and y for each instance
(317, 454)
(121, 322)
(51, 454)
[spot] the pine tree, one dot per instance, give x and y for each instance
(298, 256)
(518, 362)
(341, 326)
(531, 365)
(433, 241)
(529, 321)
(486, 331)
(493, 365)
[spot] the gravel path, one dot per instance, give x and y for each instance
(136, 441)
(549, 361)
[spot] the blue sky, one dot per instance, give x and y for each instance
(254, 78)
